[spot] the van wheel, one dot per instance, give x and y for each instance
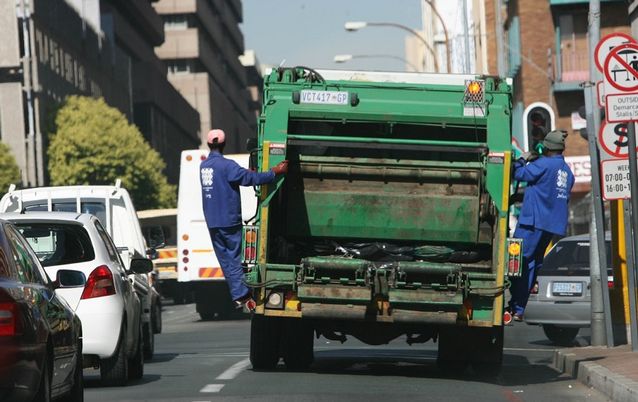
(149, 341)
(136, 362)
(114, 370)
(44, 390)
(298, 344)
(561, 336)
(265, 338)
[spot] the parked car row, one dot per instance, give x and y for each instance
(70, 298)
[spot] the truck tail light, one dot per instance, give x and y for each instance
(8, 319)
(249, 244)
(514, 257)
(100, 283)
(610, 282)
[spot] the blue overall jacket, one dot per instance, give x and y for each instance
(220, 179)
(549, 183)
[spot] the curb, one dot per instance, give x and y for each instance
(615, 386)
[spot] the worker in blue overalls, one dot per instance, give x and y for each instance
(220, 179)
(543, 215)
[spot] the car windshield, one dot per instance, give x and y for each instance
(58, 243)
(95, 208)
(570, 257)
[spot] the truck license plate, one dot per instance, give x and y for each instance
(567, 288)
(324, 97)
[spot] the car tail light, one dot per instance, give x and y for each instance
(100, 283)
(534, 290)
(8, 319)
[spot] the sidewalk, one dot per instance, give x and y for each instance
(612, 371)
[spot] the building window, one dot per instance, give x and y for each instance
(573, 47)
(180, 66)
(175, 22)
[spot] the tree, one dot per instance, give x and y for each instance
(93, 143)
(9, 171)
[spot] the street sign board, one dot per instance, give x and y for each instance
(621, 68)
(612, 138)
(615, 178)
(606, 44)
(621, 107)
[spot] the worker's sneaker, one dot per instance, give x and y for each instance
(247, 303)
(507, 318)
(518, 317)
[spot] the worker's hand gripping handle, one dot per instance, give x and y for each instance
(281, 168)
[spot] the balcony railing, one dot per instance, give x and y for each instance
(571, 64)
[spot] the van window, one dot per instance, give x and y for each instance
(95, 208)
(58, 244)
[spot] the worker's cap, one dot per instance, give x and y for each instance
(216, 136)
(555, 140)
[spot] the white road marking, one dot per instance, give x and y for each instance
(234, 370)
(212, 388)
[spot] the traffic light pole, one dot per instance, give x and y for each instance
(601, 328)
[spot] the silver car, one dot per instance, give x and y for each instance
(561, 298)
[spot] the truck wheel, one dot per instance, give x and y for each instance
(298, 344)
(487, 350)
(149, 341)
(453, 355)
(114, 370)
(265, 337)
(136, 362)
(561, 336)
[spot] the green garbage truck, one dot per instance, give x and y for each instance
(392, 220)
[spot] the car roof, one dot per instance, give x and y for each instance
(583, 237)
(47, 216)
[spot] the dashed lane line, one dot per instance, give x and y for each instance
(211, 388)
(234, 370)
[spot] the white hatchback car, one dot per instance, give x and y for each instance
(103, 298)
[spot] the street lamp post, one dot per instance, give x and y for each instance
(352, 26)
(447, 39)
(343, 58)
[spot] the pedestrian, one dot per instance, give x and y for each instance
(220, 179)
(543, 214)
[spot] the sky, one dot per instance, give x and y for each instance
(311, 33)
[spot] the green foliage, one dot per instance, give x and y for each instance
(93, 143)
(9, 171)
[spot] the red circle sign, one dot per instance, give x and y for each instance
(606, 44)
(621, 67)
(612, 138)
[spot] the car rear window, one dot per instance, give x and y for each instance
(570, 258)
(58, 243)
(86, 207)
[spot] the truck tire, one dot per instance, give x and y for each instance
(265, 339)
(487, 350)
(136, 362)
(298, 344)
(114, 370)
(561, 336)
(149, 341)
(452, 356)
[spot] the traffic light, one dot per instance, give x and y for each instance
(539, 120)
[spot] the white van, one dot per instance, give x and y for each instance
(113, 206)
(197, 266)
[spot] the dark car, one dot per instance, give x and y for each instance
(40, 335)
(561, 299)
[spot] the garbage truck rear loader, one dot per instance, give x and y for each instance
(392, 219)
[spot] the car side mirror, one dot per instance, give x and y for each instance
(141, 265)
(68, 278)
